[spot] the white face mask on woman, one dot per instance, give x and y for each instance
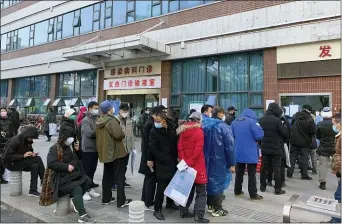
(69, 141)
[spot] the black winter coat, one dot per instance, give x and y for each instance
(66, 122)
(17, 147)
(67, 181)
(326, 136)
(6, 127)
(163, 146)
(144, 169)
(15, 119)
(302, 130)
(229, 118)
(274, 132)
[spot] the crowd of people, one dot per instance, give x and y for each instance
(214, 142)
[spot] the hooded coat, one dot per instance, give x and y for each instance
(17, 147)
(49, 118)
(190, 149)
(109, 139)
(64, 180)
(219, 154)
(144, 169)
(247, 131)
(81, 115)
(303, 129)
(6, 127)
(274, 131)
(326, 136)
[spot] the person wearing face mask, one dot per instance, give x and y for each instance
(272, 147)
(190, 149)
(127, 127)
(247, 132)
(230, 115)
(112, 152)
(6, 132)
(219, 158)
(163, 150)
(49, 118)
(20, 156)
(206, 111)
(70, 178)
(90, 155)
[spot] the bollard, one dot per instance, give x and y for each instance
(63, 206)
(136, 211)
(16, 183)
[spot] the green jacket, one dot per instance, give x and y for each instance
(109, 139)
(49, 118)
(127, 128)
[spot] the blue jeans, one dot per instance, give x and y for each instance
(338, 198)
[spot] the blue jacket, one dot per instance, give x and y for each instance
(247, 132)
(219, 154)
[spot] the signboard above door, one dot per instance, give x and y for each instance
(151, 68)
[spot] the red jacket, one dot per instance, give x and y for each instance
(190, 149)
(81, 115)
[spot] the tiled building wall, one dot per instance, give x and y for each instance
(274, 86)
(166, 81)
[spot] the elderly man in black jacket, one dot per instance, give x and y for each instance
(272, 146)
(21, 157)
(326, 136)
(302, 137)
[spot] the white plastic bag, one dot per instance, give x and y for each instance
(52, 129)
(287, 153)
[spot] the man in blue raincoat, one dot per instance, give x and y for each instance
(247, 132)
(220, 159)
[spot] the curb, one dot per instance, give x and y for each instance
(29, 218)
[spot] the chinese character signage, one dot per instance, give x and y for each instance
(153, 68)
(325, 51)
(144, 82)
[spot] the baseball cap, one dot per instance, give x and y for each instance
(232, 108)
(158, 109)
(195, 116)
(69, 112)
(106, 106)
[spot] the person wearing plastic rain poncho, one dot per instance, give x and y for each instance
(220, 159)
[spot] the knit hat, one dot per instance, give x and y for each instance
(69, 112)
(65, 132)
(106, 106)
(195, 116)
(326, 112)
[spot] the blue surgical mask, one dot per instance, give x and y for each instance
(335, 129)
(72, 117)
(158, 125)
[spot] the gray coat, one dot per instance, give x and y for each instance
(88, 132)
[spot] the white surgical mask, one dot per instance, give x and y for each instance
(224, 117)
(147, 112)
(124, 115)
(95, 111)
(69, 141)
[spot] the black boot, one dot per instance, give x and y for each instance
(200, 219)
(187, 214)
(322, 185)
(159, 215)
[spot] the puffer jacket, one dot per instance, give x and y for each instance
(326, 136)
(109, 139)
(6, 132)
(127, 127)
(303, 130)
(337, 156)
(190, 149)
(88, 133)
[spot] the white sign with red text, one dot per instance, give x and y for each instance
(147, 82)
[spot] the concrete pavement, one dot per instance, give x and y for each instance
(240, 209)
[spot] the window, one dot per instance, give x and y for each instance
(173, 5)
(156, 10)
(3, 42)
(96, 17)
(235, 79)
(185, 4)
(40, 32)
(143, 10)
(23, 37)
(76, 22)
(130, 11)
(86, 19)
(7, 3)
(3, 92)
(67, 24)
(51, 31)
(119, 12)
(165, 7)
(108, 14)
(31, 35)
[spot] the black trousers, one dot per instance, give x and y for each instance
(282, 172)
(200, 202)
(115, 170)
(275, 162)
(159, 198)
(270, 174)
(149, 190)
(47, 135)
(215, 201)
(37, 168)
(89, 162)
(304, 160)
(240, 170)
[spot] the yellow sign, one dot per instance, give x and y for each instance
(152, 68)
(324, 50)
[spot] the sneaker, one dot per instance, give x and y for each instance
(220, 212)
(93, 194)
(201, 220)
(86, 197)
(239, 194)
(257, 197)
(114, 187)
(187, 214)
(210, 209)
(307, 178)
(107, 203)
(73, 206)
(127, 185)
(34, 194)
(86, 219)
(126, 203)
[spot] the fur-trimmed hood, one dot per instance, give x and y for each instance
(187, 126)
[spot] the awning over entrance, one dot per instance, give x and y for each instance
(116, 50)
